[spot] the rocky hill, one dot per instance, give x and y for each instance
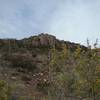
(42, 40)
(25, 62)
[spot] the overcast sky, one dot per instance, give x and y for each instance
(71, 20)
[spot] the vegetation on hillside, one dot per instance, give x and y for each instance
(74, 76)
(61, 71)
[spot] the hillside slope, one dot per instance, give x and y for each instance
(24, 63)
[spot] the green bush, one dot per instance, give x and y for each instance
(5, 91)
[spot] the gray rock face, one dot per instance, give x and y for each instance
(46, 39)
(36, 42)
(43, 39)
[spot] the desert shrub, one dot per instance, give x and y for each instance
(24, 63)
(43, 87)
(74, 76)
(5, 91)
(21, 61)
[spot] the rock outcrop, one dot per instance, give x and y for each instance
(41, 40)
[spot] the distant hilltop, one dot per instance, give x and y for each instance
(43, 39)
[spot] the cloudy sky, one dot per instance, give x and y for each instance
(71, 20)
